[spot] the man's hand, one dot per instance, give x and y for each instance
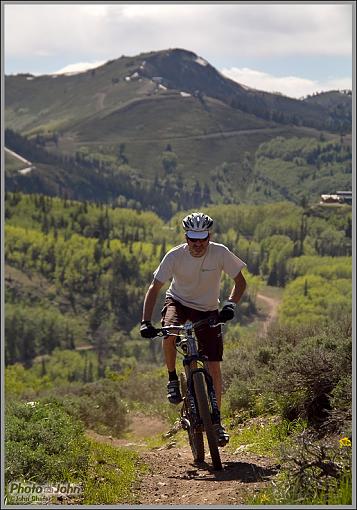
(227, 312)
(147, 330)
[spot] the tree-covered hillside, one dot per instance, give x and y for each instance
(301, 169)
(76, 274)
(88, 266)
(297, 169)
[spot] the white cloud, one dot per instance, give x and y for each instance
(291, 86)
(211, 30)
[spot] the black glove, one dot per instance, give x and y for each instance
(227, 312)
(147, 330)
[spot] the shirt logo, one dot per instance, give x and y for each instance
(204, 270)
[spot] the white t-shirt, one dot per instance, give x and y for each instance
(196, 280)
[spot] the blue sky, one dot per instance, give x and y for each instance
(295, 49)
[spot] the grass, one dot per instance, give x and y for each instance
(163, 409)
(263, 436)
(111, 475)
(268, 437)
(282, 494)
(272, 292)
(162, 440)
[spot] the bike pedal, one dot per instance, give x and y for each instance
(223, 442)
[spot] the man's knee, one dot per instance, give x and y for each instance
(215, 366)
(169, 341)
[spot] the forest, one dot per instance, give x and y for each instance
(291, 169)
(76, 274)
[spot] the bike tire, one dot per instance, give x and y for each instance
(195, 437)
(203, 407)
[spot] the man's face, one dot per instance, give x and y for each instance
(197, 247)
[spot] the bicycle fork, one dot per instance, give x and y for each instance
(189, 414)
(192, 405)
(216, 415)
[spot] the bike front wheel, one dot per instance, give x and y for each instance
(195, 436)
(199, 383)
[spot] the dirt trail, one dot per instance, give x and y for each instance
(272, 305)
(173, 478)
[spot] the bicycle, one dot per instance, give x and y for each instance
(199, 411)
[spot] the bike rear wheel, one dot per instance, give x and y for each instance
(203, 407)
(195, 437)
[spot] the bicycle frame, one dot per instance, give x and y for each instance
(191, 358)
(195, 364)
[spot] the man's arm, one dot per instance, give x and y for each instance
(150, 299)
(227, 312)
(239, 287)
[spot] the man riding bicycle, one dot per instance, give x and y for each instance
(195, 269)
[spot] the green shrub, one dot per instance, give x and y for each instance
(295, 371)
(43, 443)
(316, 469)
(312, 473)
(239, 396)
(24, 383)
(98, 405)
(307, 375)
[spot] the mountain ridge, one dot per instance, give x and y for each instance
(164, 125)
(176, 70)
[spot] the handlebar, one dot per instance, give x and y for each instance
(182, 329)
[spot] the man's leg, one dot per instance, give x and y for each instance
(215, 371)
(173, 386)
(172, 313)
(168, 345)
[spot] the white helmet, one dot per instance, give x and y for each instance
(197, 225)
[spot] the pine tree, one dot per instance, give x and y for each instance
(43, 367)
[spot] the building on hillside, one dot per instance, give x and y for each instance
(340, 197)
(329, 199)
(345, 196)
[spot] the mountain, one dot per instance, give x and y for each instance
(64, 101)
(163, 121)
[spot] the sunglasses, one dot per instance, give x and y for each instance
(195, 240)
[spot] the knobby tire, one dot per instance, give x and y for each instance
(195, 437)
(203, 407)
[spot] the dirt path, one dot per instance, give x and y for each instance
(271, 305)
(173, 478)
(24, 170)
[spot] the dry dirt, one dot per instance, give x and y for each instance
(271, 306)
(173, 478)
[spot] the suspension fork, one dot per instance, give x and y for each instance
(190, 395)
(216, 415)
(215, 412)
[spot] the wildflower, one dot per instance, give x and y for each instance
(345, 442)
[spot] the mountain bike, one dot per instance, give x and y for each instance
(199, 412)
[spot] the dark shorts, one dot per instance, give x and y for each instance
(210, 341)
